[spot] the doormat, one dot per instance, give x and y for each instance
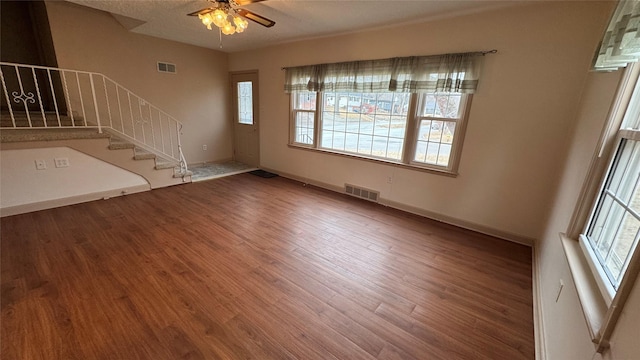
(263, 174)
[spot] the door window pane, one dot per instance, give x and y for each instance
(245, 102)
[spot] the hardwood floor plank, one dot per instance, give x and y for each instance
(250, 268)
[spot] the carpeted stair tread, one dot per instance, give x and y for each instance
(178, 174)
(119, 144)
(15, 135)
(164, 164)
(22, 121)
(141, 154)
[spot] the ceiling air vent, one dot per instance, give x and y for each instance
(362, 193)
(166, 67)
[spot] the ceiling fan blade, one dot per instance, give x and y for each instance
(246, 2)
(201, 12)
(255, 18)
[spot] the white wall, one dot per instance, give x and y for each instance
(198, 95)
(22, 184)
(520, 117)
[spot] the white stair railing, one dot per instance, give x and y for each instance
(40, 97)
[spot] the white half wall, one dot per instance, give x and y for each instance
(23, 187)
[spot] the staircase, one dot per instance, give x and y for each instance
(51, 107)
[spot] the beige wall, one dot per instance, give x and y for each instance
(520, 116)
(198, 95)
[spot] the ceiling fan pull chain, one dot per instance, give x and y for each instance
(220, 32)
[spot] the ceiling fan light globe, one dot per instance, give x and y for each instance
(228, 29)
(240, 23)
(219, 18)
(206, 19)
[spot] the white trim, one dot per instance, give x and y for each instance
(593, 305)
(538, 310)
(600, 159)
(72, 200)
(522, 240)
(606, 289)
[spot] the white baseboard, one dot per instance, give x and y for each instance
(421, 212)
(50, 204)
(538, 319)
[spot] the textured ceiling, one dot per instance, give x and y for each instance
(295, 19)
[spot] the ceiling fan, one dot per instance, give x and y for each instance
(227, 16)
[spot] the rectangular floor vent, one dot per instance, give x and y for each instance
(362, 193)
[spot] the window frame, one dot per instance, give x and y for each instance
(601, 274)
(415, 106)
(601, 308)
(292, 121)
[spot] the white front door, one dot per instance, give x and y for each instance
(246, 138)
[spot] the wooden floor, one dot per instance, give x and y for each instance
(252, 268)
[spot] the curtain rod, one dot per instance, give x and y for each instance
(483, 53)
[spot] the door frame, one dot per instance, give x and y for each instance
(256, 107)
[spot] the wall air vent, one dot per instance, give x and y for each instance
(166, 67)
(361, 193)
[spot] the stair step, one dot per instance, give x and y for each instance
(13, 135)
(162, 164)
(178, 174)
(141, 154)
(119, 144)
(22, 121)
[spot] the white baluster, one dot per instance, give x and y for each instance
(55, 100)
(153, 133)
(95, 104)
(119, 107)
(66, 91)
(106, 96)
(6, 95)
(84, 113)
(23, 97)
(35, 82)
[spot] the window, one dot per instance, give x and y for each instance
(382, 125)
(408, 111)
(371, 124)
(612, 232)
(439, 117)
(604, 263)
(304, 109)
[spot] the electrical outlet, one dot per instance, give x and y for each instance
(204, 147)
(61, 162)
(41, 165)
(390, 180)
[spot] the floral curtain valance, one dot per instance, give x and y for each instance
(449, 72)
(621, 42)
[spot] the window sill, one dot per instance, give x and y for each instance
(593, 304)
(376, 160)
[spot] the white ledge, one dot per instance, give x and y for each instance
(593, 304)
